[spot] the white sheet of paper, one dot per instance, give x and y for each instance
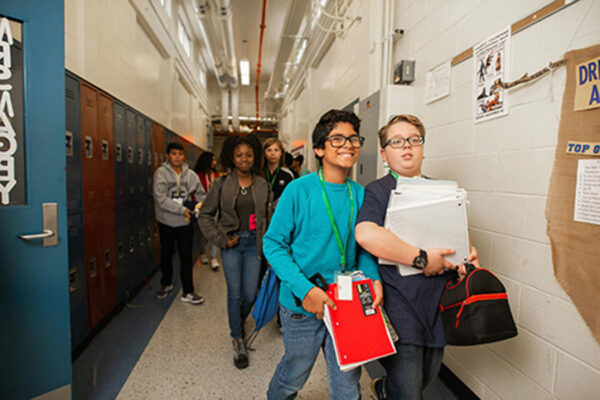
(587, 192)
(344, 287)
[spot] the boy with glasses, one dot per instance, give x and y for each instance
(312, 234)
(411, 301)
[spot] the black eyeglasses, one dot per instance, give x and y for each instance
(399, 142)
(340, 140)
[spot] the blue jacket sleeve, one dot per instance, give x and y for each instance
(277, 244)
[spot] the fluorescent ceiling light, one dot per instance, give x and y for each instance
(245, 72)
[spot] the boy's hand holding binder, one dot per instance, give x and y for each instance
(315, 300)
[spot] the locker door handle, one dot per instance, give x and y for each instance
(50, 226)
(89, 147)
(105, 149)
(119, 152)
(69, 143)
(140, 156)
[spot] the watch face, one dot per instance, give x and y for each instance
(420, 262)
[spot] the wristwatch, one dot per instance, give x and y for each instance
(420, 261)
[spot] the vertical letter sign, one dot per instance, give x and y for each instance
(12, 150)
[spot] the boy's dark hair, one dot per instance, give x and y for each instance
(289, 158)
(175, 146)
(327, 123)
(204, 162)
(300, 159)
(232, 142)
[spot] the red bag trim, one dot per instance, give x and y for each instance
(476, 298)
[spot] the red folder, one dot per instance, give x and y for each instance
(358, 338)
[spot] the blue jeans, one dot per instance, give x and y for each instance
(303, 337)
(242, 269)
(410, 370)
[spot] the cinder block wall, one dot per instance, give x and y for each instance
(505, 164)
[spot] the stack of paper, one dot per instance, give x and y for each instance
(358, 331)
(428, 214)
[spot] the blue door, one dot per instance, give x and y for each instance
(34, 295)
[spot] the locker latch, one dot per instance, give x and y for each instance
(89, 147)
(105, 149)
(140, 156)
(107, 258)
(118, 152)
(149, 158)
(69, 143)
(93, 271)
(120, 254)
(72, 280)
(130, 154)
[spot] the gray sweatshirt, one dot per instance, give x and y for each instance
(170, 191)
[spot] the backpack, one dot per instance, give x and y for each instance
(475, 309)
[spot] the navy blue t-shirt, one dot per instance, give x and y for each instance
(411, 302)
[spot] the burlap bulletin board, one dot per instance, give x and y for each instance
(575, 245)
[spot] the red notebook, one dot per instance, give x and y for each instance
(357, 329)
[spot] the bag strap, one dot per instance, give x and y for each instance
(454, 276)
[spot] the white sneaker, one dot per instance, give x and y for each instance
(214, 263)
(192, 298)
(204, 259)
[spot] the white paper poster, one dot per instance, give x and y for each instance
(587, 192)
(490, 65)
(438, 83)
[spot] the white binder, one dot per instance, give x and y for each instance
(428, 216)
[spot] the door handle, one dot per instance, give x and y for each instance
(50, 226)
(46, 234)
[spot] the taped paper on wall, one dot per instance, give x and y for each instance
(587, 193)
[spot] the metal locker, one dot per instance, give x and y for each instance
(149, 236)
(106, 162)
(120, 152)
(108, 264)
(132, 256)
(92, 233)
(140, 155)
(158, 145)
(73, 142)
(90, 148)
(130, 154)
(77, 279)
(142, 242)
(148, 156)
(122, 222)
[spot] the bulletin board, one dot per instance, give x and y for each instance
(573, 205)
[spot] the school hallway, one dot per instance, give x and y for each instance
(159, 349)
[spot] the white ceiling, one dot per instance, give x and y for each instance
(247, 16)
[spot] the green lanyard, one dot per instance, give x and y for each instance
(271, 179)
(341, 246)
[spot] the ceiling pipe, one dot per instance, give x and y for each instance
(260, 46)
(225, 17)
(208, 35)
(224, 109)
(235, 111)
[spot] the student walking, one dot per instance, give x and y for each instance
(411, 302)
(174, 185)
(241, 203)
(275, 173)
(205, 168)
(312, 233)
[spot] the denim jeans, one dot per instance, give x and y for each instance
(303, 337)
(410, 370)
(242, 269)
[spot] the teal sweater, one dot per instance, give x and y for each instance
(300, 241)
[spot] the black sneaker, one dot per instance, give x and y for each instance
(192, 298)
(240, 355)
(163, 291)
